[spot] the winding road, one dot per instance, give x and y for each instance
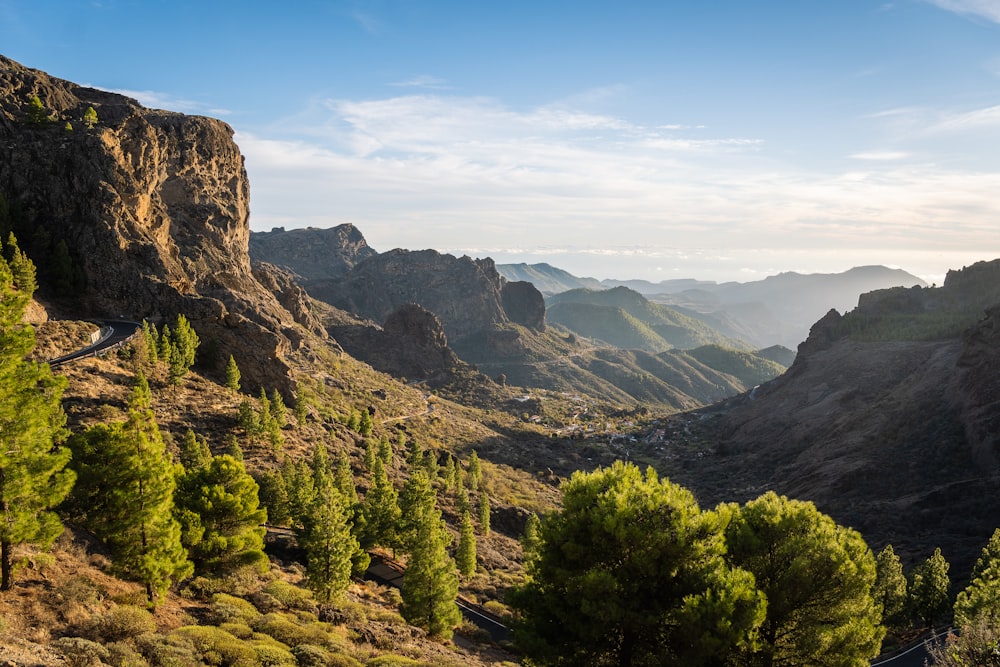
(114, 333)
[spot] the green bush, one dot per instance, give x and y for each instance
(395, 661)
(229, 608)
(122, 623)
(238, 629)
(292, 633)
(121, 654)
(80, 652)
(291, 596)
(271, 653)
(218, 647)
(310, 655)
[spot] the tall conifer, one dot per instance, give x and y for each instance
(33, 474)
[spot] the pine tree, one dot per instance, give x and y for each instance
(224, 498)
(417, 496)
(380, 510)
(301, 408)
(90, 117)
(414, 453)
(465, 555)
(274, 497)
(33, 474)
(430, 583)
(890, 584)
(448, 474)
(233, 447)
(431, 466)
(330, 545)
(370, 455)
(150, 338)
(344, 478)
(125, 486)
(531, 541)
(929, 589)
(164, 346)
(301, 488)
(36, 111)
(232, 375)
(385, 451)
(278, 410)
(475, 472)
(461, 496)
(365, 423)
(980, 601)
(484, 513)
(194, 451)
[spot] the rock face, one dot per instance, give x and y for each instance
(152, 207)
(411, 344)
(886, 423)
(467, 295)
(311, 253)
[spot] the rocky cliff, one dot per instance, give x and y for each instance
(311, 253)
(467, 295)
(149, 209)
(884, 421)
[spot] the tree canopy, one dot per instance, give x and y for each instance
(631, 571)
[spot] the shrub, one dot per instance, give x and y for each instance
(121, 654)
(229, 608)
(238, 630)
(218, 647)
(310, 655)
(395, 661)
(291, 596)
(122, 623)
(80, 652)
(287, 631)
(271, 653)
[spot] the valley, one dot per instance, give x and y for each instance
(464, 396)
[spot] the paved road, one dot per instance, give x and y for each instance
(914, 656)
(113, 333)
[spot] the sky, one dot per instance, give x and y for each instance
(709, 139)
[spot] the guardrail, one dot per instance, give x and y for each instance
(97, 349)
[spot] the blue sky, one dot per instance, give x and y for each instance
(714, 139)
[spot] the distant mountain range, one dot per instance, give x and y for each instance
(777, 310)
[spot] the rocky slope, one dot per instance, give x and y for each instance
(149, 209)
(899, 436)
(313, 254)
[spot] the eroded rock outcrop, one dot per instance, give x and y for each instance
(152, 207)
(311, 253)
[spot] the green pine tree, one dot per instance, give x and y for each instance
(385, 451)
(365, 423)
(430, 583)
(344, 477)
(890, 585)
(448, 474)
(33, 474)
(929, 589)
(278, 409)
(150, 339)
(980, 601)
(194, 451)
(90, 117)
(125, 488)
(475, 472)
(36, 111)
(465, 555)
(274, 497)
(232, 375)
(330, 545)
(484, 513)
(224, 498)
(380, 511)
(417, 496)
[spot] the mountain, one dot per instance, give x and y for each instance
(316, 254)
(889, 419)
(460, 311)
(625, 318)
(776, 310)
(143, 215)
(547, 278)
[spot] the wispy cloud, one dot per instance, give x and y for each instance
(411, 170)
(969, 120)
(158, 100)
(987, 9)
(880, 156)
(423, 81)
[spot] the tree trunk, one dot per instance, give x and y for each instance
(6, 565)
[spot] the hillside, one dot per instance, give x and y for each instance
(894, 434)
(642, 324)
(776, 310)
